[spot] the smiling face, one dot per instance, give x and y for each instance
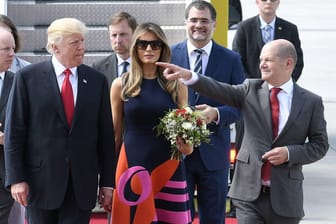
(148, 49)
(276, 62)
(200, 27)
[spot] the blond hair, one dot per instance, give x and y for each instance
(61, 28)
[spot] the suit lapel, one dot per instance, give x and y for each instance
(183, 61)
(278, 29)
(6, 87)
(263, 96)
(81, 92)
(49, 80)
(112, 68)
(259, 38)
(296, 108)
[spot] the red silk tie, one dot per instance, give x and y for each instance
(67, 97)
(266, 169)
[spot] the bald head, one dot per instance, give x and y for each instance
(7, 46)
(277, 61)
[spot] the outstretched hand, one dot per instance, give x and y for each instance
(173, 72)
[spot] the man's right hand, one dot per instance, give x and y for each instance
(20, 193)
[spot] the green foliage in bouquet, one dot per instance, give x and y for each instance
(185, 123)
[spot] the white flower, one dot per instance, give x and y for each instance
(187, 125)
(184, 123)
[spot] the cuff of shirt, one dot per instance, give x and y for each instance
(193, 80)
(218, 117)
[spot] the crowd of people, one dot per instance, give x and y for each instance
(68, 129)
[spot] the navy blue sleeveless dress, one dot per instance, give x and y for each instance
(150, 187)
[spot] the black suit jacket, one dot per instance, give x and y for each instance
(6, 86)
(248, 42)
(42, 150)
(108, 66)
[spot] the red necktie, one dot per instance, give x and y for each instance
(266, 169)
(67, 97)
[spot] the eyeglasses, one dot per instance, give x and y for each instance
(7, 50)
(270, 0)
(154, 44)
(201, 21)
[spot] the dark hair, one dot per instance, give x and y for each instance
(4, 20)
(120, 16)
(201, 5)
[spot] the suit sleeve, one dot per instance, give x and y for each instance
(317, 145)
(106, 145)
(16, 131)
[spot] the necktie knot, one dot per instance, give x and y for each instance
(275, 91)
(125, 65)
(199, 51)
(67, 72)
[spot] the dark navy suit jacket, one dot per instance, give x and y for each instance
(224, 66)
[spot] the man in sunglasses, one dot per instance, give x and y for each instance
(248, 43)
(208, 166)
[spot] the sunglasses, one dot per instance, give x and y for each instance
(270, 0)
(154, 44)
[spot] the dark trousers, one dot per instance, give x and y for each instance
(211, 190)
(6, 200)
(68, 213)
(260, 212)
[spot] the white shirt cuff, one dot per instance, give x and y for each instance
(193, 80)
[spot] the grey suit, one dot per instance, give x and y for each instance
(108, 66)
(306, 120)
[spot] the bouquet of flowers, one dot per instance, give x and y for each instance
(185, 123)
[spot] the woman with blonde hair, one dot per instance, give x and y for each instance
(150, 187)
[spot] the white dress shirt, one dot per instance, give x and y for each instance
(59, 69)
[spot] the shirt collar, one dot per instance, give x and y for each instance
(263, 23)
(120, 60)
(2, 75)
(206, 48)
(59, 68)
(286, 87)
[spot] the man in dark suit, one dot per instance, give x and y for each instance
(299, 138)
(121, 27)
(7, 46)
(59, 133)
(250, 37)
(208, 167)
